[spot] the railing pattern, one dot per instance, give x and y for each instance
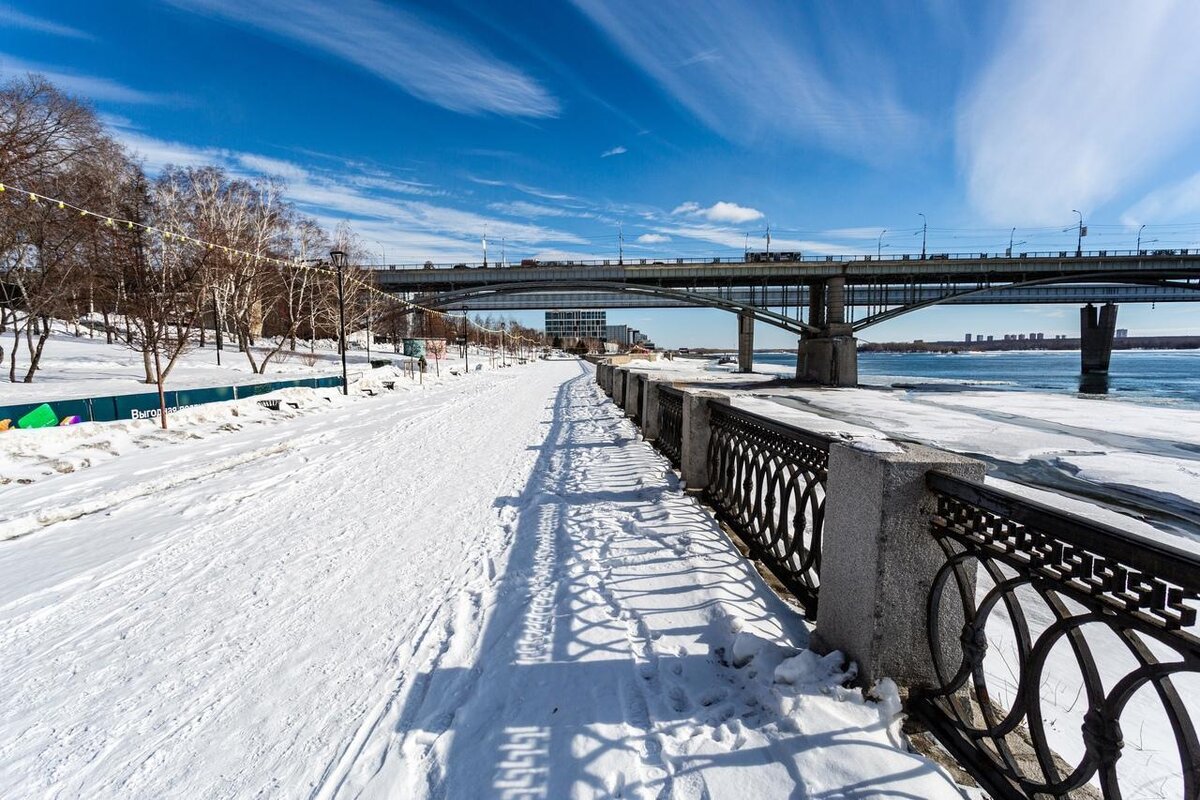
(670, 423)
(1061, 645)
(767, 482)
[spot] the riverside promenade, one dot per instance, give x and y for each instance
(492, 587)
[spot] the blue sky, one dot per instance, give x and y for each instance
(691, 125)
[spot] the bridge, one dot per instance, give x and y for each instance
(825, 300)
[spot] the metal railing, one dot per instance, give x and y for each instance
(1066, 651)
(778, 258)
(767, 482)
(670, 423)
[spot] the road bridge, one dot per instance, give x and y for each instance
(825, 300)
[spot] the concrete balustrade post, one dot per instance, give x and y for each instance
(633, 393)
(878, 559)
(618, 392)
(650, 407)
(693, 461)
(605, 373)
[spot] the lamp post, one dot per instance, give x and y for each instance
(1139, 244)
(339, 262)
(879, 244)
(1079, 238)
(924, 230)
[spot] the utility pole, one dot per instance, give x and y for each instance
(924, 230)
(768, 237)
(1082, 233)
(746, 248)
(1139, 244)
(485, 246)
(1011, 235)
(620, 245)
(503, 252)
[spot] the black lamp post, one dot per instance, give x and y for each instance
(339, 262)
(1079, 238)
(924, 230)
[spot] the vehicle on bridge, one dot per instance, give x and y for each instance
(762, 256)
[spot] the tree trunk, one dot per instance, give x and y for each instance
(162, 395)
(148, 363)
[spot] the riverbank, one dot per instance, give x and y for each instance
(1134, 464)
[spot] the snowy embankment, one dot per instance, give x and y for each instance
(491, 589)
(86, 366)
(1134, 465)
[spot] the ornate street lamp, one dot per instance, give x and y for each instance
(339, 262)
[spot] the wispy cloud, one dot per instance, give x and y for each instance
(1174, 201)
(747, 71)
(653, 238)
(379, 208)
(14, 18)
(719, 212)
(1077, 106)
(86, 86)
(616, 151)
(397, 46)
(520, 208)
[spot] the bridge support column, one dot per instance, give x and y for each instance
(745, 342)
(1096, 337)
(830, 356)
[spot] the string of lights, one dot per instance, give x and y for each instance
(113, 221)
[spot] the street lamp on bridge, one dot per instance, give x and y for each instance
(924, 230)
(338, 258)
(1082, 233)
(879, 244)
(1139, 243)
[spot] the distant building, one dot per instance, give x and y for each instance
(1020, 337)
(968, 339)
(576, 325)
(990, 338)
(1121, 333)
(617, 334)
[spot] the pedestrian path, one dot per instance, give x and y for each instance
(493, 591)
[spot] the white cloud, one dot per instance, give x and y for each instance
(616, 151)
(86, 86)
(14, 18)
(653, 238)
(411, 231)
(1077, 105)
(749, 71)
(520, 208)
(397, 46)
(1176, 201)
(720, 212)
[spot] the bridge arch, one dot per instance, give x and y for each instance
(445, 299)
(1111, 278)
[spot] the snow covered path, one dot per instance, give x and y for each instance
(494, 590)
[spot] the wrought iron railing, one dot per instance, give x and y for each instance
(767, 482)
(670, 422)
(1066, 651)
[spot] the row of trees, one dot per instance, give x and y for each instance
(259, 279)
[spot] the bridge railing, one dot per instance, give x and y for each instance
(760, 258)
(1050, 654)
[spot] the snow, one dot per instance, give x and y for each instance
(486, 586)
(1097, 456)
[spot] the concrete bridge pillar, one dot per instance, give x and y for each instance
(1096, 337)
(829, 356)
(745, 342)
